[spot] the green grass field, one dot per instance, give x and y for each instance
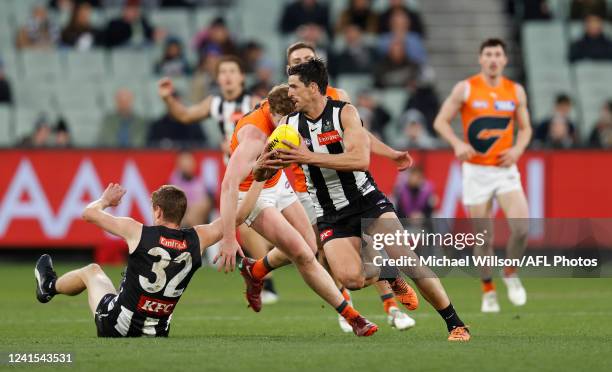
(564, 326)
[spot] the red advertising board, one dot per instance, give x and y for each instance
(42, 193)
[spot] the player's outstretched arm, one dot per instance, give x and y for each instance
(180, 112)
(211, 233)
(442, 123)
(523, 135)
(252, 142)
(124, 227)
(402, 159)
(356, 155)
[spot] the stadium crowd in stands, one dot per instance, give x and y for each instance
(387, 46)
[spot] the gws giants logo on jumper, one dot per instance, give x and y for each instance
(173, 243)
(327, 138)
(154, 306)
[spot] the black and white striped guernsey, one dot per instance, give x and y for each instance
(330, 190)
(227, 113)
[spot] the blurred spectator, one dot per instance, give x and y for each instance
(315, 36)
(601, 136)
(356, 58)
(122, 127)
(305, 12)
(423, 97)
(216, 38)
(559, 134)
(414, 196)
(529, 9)
(413, 132)
(41, 137)
(399, 24)
(199, 201)
(582, 8)
(384, 21)
(6, 94)
(80, 33)
(359, 13)
(203, 77)
(593, 45)
(258, 63)
(563, 108)
(39, 31)
(395, 70)
(61, 134)
(132, 28)
(375, 117)
(167, 132)
(173, 62)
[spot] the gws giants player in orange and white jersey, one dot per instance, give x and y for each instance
(490, 105)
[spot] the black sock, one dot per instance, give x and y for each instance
(267, 264)
(389, 273)
(268, 285)
(387, 296)
(450, 317)
(342, 306)
(487, 280)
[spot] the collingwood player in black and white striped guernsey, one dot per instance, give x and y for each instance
(162, 260)
(335, 157)
(225, 108)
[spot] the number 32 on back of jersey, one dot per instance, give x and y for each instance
(160, 274)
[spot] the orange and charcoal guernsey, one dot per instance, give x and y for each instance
(262, 119)
(300, 178)
(488, 118)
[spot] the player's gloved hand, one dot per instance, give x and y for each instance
(227, 254)
(113, 194)
(509, 156)
(165, 88)
(464, 151)
(402, 160)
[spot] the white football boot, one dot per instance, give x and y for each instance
(399, 320)
(516, 291)
(489, 302)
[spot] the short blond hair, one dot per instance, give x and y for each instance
(279, 100)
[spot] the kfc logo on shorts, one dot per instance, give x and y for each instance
(327, 138)
(326, 234)
(154, 306)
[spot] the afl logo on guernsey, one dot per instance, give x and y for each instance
(505, 105)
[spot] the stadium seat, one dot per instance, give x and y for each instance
(176, 22)
(353, 84)
(131, 64)
(7, 33)
(593, 82)
(544, 41)
(393, 99)
(43, 65)
(6, 126)
(84, 126)
(86, 65)
(10, 62)
(78, 94)
(33, 95)
(156, 105)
